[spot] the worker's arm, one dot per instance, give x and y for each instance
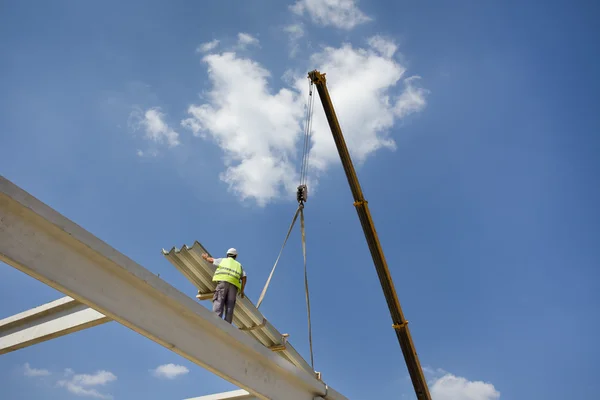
(243, 286)
(207, 258)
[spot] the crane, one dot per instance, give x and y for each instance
(399, 323)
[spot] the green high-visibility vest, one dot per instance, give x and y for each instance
(230, 271)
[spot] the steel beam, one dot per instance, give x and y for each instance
(233, 395)
(48, 321)
(61, 317)
(42, 243)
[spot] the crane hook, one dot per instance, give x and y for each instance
(302, 194)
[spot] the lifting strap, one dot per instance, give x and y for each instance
(301, 196)
(312, 362)
(264, 291)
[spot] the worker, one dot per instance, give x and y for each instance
(231, 278)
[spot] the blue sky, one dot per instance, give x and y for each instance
(474, 127)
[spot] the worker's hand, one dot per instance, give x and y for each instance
(242, 295)
(205, 256)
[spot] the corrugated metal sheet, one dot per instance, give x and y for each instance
(189, 261)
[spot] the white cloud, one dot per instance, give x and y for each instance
(34, 371)
(208, 46)
(147, 153)
(386, 47)
(369, 95)
(152, 121)
(446, 386)
(259, 129)
(343, 14)
(99, 378)
(295, 32)
(245, 39)
(81, 384)
(412, 99)
(450, 387)
(82, 391)
(256, 129)
(169, 371)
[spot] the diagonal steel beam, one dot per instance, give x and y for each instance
(48, 321)
(39, 241)
(233, 395)
(61, 317)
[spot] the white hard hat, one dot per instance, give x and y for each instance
(232, 251)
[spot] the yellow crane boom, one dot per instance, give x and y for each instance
(399, 323)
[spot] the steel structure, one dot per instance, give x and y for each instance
(42, 243)
(61, 317)
(188, 260)
(233, 395)
(48, 321)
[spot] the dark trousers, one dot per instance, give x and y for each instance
(224, 300)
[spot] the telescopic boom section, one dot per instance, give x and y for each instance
(399, 323)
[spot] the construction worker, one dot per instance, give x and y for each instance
(231, 278)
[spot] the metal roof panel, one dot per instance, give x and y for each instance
(189, 261)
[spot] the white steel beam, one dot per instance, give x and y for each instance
(61, 317)
(233, 395)
(48, 321)
(39, 241)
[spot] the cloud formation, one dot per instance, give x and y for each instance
(342, 14)
(28, 371)
(208, 46)
(295, 32)
(152, 122)
(446, 386)
(169, 371)
(245, 39)
(450, 387)
(255, 127)
(83, 384)
(259, 128)
(369, 93)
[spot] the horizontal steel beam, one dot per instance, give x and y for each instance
(61, 317)
(42, 243)
(48, 321)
